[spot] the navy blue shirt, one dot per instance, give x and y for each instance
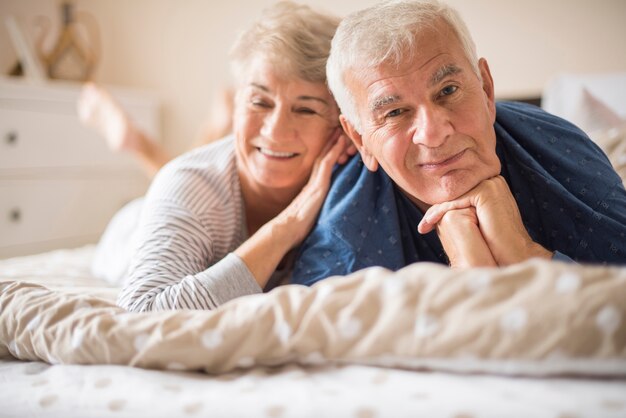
(570, 198)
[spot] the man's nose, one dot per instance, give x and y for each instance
(277, 124)
(432, 126)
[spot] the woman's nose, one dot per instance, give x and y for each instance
(432, 126)
(277, 125)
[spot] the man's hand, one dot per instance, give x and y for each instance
(499, 221)
(462, 240)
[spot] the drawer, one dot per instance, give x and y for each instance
(49, 210)
(31, 139)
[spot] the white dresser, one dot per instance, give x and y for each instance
(59, 183)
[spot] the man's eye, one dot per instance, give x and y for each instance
(448, 90)
(394, 113)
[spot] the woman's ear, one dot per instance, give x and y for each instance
(357, 139)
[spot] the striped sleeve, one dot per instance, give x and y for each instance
(188, 230)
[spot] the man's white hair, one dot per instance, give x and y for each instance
(386, 33)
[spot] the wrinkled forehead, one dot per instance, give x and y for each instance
(263, 64)
(409, 57)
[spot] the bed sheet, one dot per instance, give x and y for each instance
(292, 390)
(38, 389)
(67, 269)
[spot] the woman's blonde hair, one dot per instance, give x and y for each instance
(292, 37)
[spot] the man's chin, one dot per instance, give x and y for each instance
(444, 194)
(450, 186)
(461, 183)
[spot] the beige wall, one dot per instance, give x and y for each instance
(178, 48)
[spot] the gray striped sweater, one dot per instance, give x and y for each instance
(193, 218)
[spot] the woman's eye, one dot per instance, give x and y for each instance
(259, 103)
(448, 90)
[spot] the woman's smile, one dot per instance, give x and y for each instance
(280, 155)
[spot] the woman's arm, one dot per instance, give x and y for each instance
(178, 263)
(182, 260)
(266, 248)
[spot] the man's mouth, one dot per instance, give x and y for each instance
(276, 154)
(444, 162)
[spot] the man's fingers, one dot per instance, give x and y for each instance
(434, 214)
(470, 199)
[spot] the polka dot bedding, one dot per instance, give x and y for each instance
(292, 390)
(537, 318)
(564, 324)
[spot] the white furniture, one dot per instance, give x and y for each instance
(59, 183)
(563, 93)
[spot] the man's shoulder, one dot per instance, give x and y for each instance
(353, 186)
(527, 118)
(509, 110)
(359, 209)
(555, 173)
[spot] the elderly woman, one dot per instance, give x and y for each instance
(219, 222)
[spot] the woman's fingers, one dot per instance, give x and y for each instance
(325, 162)
(348, 151)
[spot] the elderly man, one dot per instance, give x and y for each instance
(445, 174)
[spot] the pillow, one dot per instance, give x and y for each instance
(592, 115)
(605, 127)
(563, 94)
(613, 143)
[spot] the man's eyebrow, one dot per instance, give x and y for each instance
(382, 101)
(442, 73)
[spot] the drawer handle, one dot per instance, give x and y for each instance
(11, 138)
(15, 215)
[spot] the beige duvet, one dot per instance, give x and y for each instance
(536, 318)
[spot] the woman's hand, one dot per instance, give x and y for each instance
(349, 149)
(297, 219)
(263, 251)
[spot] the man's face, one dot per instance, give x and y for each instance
(428, 122)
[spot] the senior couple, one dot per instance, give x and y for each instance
(442, 174)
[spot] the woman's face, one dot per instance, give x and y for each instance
(281, 124)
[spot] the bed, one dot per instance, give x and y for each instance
(538, 339)
(362, 362)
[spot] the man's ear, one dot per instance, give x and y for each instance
(488, 87)
(357, 139)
